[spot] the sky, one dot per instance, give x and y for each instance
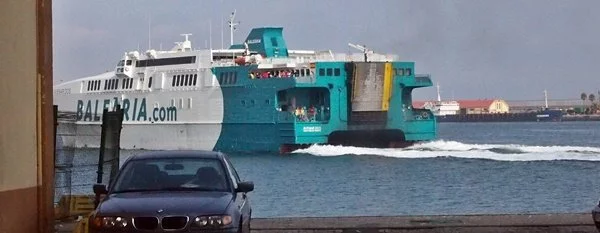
(510, 49)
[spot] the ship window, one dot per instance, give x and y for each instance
(88, 87)
(150, 82)
(234, 78)
(400, 71)
(243, 102)
(105, 84)
(97, 84)
(173, 81)
(329, 72)
(124, 84)
(128, 62)
(120, 63)
(307, 72)
(186, 80)
(302, 72)
(195, 79)
(408, 71)
(336, 72)
(178, 80)
(321, 72)
(274, 41)
(130, 83)
(166, 61)
(116, 86)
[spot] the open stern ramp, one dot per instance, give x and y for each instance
(380, 112)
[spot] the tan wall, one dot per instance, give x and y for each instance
(25, 59)
(499, 106)
(18, 72)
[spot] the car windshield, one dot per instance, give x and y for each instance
(172, 174)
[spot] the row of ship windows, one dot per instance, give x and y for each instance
(329, 71)
(184, 80)
(113, 84)
(127, 83)
(336, 72)
(227, 78)
(402, 72)
(93, 85)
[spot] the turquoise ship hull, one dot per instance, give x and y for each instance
(258, 115)
(254, 97)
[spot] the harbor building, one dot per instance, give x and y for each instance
(483, 106)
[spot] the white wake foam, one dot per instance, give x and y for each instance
(441, 148)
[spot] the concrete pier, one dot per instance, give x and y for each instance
(559, 223)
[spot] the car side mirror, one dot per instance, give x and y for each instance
(100, 189)
(245, 187)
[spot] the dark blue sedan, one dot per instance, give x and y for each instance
(189, 191)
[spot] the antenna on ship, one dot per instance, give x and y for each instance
(149, 30)
(222, 43)
(210, 33)
(546, 98)
(232, 25)
(439, 98)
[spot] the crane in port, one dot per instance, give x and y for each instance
(362, 48)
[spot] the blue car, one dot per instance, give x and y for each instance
(166, 191)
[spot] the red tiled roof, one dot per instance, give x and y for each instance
(475, 103)
(418, 103)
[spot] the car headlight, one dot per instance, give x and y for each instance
(109, 222)
(213, 221)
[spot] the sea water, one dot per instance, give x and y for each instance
(473, 168)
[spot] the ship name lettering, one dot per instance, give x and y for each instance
(87, 110)
(254, 41)
(311, 129)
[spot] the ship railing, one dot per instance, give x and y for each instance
(422, 79)
(305, 79)
(320, 116)
(418, 81)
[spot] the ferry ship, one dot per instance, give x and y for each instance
(254, 96)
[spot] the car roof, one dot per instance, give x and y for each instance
(178, 154)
